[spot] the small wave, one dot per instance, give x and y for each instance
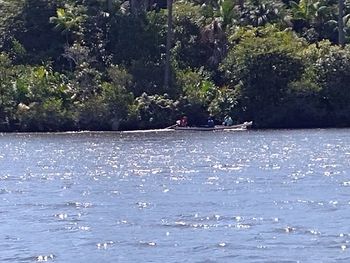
(42, 258)
(39, 258)
(62, 216)
(147, 243)
(4, 191)
(104, 245)
(143, 205)
(4, 177)
(79, 204)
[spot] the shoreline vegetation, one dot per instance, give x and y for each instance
(100, 65)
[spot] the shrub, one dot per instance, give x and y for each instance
(260, 69)
(154, 111)
(7, 93)
(47, 115)
(198, 91)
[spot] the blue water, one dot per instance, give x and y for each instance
(247, 196)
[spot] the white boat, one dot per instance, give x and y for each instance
(242, 126)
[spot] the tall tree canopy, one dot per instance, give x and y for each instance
(121, 64)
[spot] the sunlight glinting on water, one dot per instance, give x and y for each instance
(267, 196)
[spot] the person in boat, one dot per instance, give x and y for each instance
(210, 123)
(183, 122)
(227, 121)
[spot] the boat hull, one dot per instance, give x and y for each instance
(237, 127)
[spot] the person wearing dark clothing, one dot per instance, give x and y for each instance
(210, 122)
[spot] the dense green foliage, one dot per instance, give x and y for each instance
(99, 64)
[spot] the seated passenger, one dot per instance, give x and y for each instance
(183, 122)
(228, 121)
(210, 122)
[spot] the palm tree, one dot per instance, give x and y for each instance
(68, 20)
(341, 34)
(168, 44)
(313, 16)
(305, 10)
(213, 35)
(259, 13)
(227, 11)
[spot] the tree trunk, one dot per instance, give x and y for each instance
(341, 34)
(110, 5)
(138, 6)
(168, 44)
(241, 4)
(134, 6)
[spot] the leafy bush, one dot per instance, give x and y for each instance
(261, 68)
(7, 93)
(116, 97)
(47, 96)
(333, 76)
(155, 111)
(225, 103)
(189, 50)
(47, 115)
(105, 110)
(93, 114)
(198, 91)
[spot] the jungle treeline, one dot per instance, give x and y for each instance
(139, 64)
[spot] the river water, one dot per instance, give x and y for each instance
(253, 196)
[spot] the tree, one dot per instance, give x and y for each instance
(241, 4)
(333, 76)
(315, 19)
(341, 33)
(168, 44)
(7, 92)
(260, 69)
(227, 11)
(214, 37)
(10, 10)
(110, 5)
(260, 13)
(68, 20)
(138, 6)
(28, 25)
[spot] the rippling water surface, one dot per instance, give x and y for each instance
(256, 196)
